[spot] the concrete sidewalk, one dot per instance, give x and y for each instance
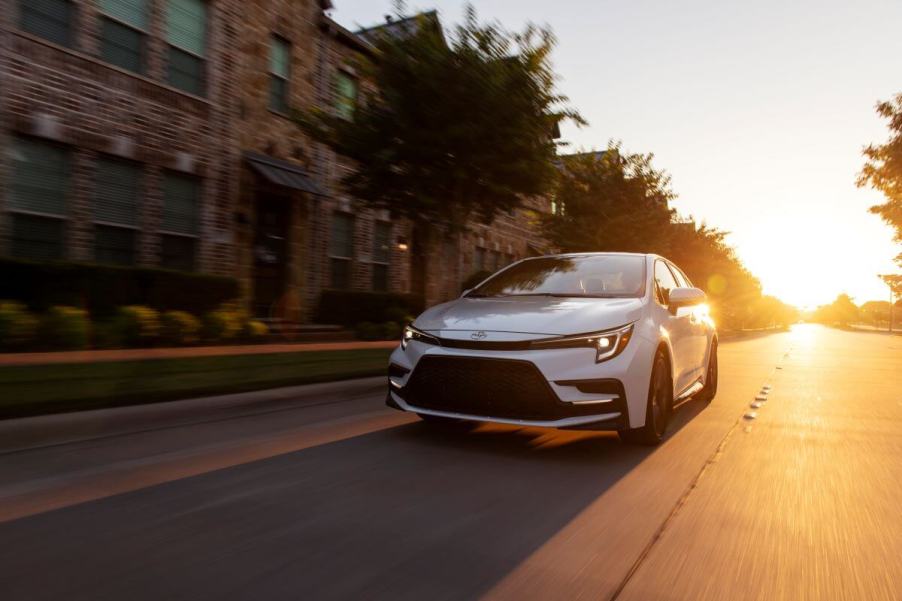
(14, 359)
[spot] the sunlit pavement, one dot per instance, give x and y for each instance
(340, 498)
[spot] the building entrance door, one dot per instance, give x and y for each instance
(270, 253)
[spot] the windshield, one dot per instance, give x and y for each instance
(603, 276)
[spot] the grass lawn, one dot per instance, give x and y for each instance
(32, 390)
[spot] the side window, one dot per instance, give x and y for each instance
(664, 282)
(279, 69)
(681, 278)
(49, 19)
(123, 31)
(346, 95)
(186, 34)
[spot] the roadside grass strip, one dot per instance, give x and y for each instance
(39, 389)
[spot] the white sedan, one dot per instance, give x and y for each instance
(601, 341)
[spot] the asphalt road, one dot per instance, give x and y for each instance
(330, 495)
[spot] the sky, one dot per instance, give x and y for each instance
(759, 111)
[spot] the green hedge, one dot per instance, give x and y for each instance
(348, 308)
(101, 289)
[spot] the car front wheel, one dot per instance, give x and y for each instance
(657, 411)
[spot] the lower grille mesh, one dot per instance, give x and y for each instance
(503, 388)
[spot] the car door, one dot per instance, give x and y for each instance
(698, 325)
(679, 328)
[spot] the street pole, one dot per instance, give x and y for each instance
(892, 309)
(894, 282)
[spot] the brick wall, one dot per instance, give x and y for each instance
(69, 96)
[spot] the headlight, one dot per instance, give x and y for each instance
(411, 333)
(607, 344)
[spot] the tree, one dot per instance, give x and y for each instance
(455, 131)
(610, 200)
(842, 311)
(883, 169)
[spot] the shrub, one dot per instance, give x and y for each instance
(221, 325)
(18, 327)
(391, 330)
(254, 331)
(102, 289)
(367, 330)
(347, 308)
(179, 327)
(137, 326)
(65, 328)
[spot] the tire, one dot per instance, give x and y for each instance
(657, 409)
(707, 393)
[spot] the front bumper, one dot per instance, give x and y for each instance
(559, 388)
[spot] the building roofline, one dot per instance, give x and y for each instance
(346, 36)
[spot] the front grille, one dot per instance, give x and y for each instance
(503, 388)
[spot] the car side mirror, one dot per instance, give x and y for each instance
(684, 297)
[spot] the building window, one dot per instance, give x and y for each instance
(180, 223)
(341, 250)
(118, 191)
(496, 261)
(346, 95)
(381, 255)
(37, 200)
(186, 33)
(49, 19)
(279, 69)
(123, 31)
(479, 259)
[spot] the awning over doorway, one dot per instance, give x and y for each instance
(282, 173)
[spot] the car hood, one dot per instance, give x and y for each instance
(528, 315)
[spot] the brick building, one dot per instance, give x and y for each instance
(157, 133)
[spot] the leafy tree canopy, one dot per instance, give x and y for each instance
(456, 129)
(883, 169)
(618, 201)
(610, 200)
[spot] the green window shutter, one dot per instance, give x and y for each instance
(117, 192)
(186, 71)
(38, 238)
(40, 177)
(186, 25)
(346, 95)
(49, 19)
(133, 12)
(342, 242)
(114, 245)
(122, 46)
(382, 242)
(181, 200)
(280, 57)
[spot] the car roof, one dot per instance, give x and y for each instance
(597, 254)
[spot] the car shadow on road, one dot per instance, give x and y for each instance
(408, 512)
